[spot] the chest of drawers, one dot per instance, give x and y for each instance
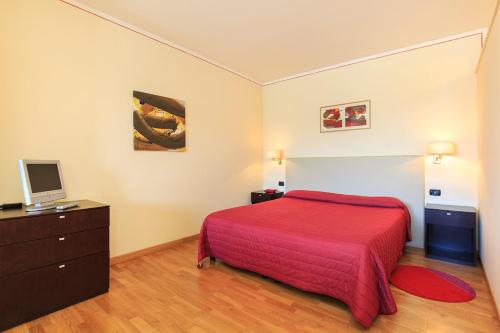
(50, 260)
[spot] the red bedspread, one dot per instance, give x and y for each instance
(338, 245)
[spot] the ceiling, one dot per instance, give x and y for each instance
(266, 40)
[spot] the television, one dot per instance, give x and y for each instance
(42, 182)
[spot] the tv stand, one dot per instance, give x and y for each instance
(51, 205)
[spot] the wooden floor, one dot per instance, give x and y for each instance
(165, 292)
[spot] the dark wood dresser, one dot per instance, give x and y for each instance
(51, 259)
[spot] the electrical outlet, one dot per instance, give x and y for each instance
(435, 193)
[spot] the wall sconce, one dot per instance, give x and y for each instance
(439, 149)
(275, 155)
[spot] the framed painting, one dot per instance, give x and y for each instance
(159, 123)
(348, 116)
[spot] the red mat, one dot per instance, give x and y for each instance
(431, 284)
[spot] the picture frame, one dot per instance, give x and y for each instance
(346, 116)
(159, 123)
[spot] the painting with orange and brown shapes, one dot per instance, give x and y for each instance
(159, 123)
(348, 116)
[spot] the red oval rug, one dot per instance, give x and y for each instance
(431, 284)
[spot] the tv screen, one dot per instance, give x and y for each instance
(43, 177)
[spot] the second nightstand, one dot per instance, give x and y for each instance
(261, 196)
(450, 233)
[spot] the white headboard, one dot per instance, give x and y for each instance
(396, 176)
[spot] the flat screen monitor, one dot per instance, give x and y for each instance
(41, 180)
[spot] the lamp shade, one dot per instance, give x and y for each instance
(275, 154)
(441, 148)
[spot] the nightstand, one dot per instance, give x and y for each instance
(450, 233)
(261, 196)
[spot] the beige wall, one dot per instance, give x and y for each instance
(66, 87)
(416, 97)
(489, 157)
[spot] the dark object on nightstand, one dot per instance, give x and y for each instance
(450, 233)
(261, 196)
(51, 259)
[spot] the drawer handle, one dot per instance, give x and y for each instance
(62, 216)
(448, 214)
(62, 238)
(62, 266)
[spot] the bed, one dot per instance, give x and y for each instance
(338, 245)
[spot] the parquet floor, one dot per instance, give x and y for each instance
(165, 292)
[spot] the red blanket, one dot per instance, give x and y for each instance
(338, 245)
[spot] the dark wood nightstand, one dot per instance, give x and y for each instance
(261, 196)
(450, 233)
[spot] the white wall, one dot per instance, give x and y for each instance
(489, 157)
(419, 96)
(66, 87)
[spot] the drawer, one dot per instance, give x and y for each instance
(450, 218)
(20, 257)
(32, 294)
(50, 225)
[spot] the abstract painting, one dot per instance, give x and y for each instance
(347, 116)
(159, 123)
